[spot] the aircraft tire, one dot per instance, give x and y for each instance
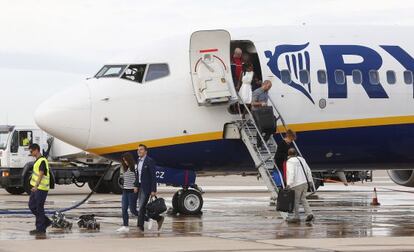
(102, 188)
(317, 180)
(26, 183)
(190, 202)
(15, 190)
(116, 183)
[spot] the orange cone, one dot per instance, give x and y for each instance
(375, 198)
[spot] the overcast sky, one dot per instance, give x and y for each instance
(47, 45)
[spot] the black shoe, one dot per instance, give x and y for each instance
(293, 220)
(48, 222)
(37, 232)
(309, 218)
(141, 228)
(160, 222)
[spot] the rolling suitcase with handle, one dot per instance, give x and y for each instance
(286, 200)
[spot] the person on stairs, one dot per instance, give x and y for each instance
(245, 90)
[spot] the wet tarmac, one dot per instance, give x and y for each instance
(234, 214)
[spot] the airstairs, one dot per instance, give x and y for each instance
(263, 157)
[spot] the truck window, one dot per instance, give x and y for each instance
(25, 138)
(14, 144)
(4, 136)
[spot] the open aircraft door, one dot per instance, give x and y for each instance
(210, 67)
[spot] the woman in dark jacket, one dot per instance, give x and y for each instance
(282, 150)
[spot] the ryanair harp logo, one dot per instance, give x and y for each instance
(293, 58)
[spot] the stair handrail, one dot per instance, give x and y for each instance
(285, 127)
(240, 101)
(284, 124)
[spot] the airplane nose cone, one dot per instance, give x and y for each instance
(66, 115)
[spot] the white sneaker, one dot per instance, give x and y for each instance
(122, 229)
(150, 223)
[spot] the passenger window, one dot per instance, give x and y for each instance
(391, 78)
(408, 77)
(157, 71)
(285, 76)
(321, 76)
(340, 77)
(25, 138)
(304, 76)
(135, 73)
(357, 76)
(374, 77)
(110, 71)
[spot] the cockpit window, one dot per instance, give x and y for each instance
(110, 71)
(134, 73)
(156, 71)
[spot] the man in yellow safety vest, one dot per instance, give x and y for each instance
(39, 181)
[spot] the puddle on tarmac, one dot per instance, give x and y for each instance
(338, 214)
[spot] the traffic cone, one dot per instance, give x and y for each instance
(375, 198)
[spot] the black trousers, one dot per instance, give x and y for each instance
(142, 213)
(266, 136)
(37, 207)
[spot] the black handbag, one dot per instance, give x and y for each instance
(285, 200)
(310, 184)
(156, 206)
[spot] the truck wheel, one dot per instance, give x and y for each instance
(15, 190)
(116, 183)
(26, 183)
(317, 180)
(190, 202)
(102, 188)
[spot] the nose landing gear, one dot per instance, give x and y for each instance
(188, 201)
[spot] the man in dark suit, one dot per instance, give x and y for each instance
(146, 185)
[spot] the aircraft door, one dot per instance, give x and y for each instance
(210, 67)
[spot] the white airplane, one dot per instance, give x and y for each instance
(346, 90)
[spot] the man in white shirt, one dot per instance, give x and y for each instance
(298, 174)
(146, 185)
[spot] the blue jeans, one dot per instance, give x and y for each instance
(143, 201)
(129, 200)
(37, 207)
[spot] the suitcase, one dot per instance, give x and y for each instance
(264, 118)
(286, 200)
(156, 206)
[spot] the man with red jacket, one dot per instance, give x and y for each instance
(237, 65)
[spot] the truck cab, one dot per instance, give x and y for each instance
(68, 164)
(15, 142)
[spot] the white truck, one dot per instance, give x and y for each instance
(68, 164)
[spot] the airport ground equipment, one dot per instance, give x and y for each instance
(263, 156)
(89, 222)
(59, 221)
(68, 164)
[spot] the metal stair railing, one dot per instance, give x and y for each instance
(251, 132)
(279, 116)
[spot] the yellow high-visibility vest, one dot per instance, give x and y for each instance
(25, 142)
(44, 183)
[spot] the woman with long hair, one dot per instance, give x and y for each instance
(283, 146)
(129, 197)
